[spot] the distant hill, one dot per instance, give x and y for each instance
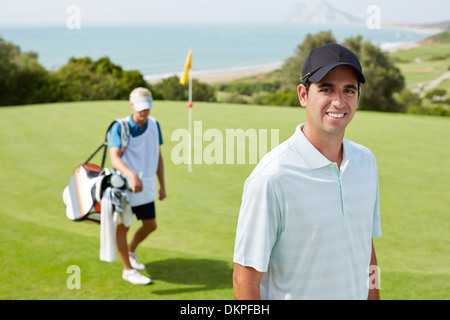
(442, 25)
(319, 12)
(443, 37)
(438, 25)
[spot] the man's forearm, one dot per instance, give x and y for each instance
(160, 172)
(374, 277)
(246, 283)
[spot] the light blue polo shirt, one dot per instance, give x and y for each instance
(307, 224)
(135, 131)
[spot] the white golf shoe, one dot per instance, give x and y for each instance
(134, 261)
(133, 276)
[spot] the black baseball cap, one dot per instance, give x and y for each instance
(323, 59)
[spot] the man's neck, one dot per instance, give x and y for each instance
(140, 123)
(330, 146)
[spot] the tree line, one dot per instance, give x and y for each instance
(24, 81)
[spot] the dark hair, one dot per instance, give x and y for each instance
(307, 85)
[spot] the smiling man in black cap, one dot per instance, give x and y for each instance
(310, 208)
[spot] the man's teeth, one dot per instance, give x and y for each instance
(336, 115)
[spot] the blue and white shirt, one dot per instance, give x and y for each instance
(135, 130)
(141, 156)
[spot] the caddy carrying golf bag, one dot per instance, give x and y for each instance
(82, 196)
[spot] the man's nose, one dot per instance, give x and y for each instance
(338, 101)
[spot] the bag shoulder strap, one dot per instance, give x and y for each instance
(124, 132)
(124, 136)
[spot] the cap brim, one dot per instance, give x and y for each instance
(322, 72)
(140, 106)
(141, 103)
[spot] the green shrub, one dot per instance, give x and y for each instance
(436, 93)
(435, 110)
(406, 99)
(171, 89)
(23, 80)
(288, 98)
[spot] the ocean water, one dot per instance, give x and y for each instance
(160, 50)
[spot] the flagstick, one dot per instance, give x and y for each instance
(186, 74)
(190, 124)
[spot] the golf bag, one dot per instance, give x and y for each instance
(82, 196)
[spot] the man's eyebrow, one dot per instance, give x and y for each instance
(351, 86)
(330, 85)
(325, 85)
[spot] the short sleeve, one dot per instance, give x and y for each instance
(258, 224)
(114, 139)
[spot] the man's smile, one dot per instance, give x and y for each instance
(335, 115)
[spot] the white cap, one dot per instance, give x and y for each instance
(141, 103)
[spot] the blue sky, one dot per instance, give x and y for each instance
(33, 13)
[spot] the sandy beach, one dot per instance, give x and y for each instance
(398, 46)
(215, 76)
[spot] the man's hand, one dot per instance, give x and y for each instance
(117, 163)
(135, 183)
(162, 194)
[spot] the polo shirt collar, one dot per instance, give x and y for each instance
(312, 157)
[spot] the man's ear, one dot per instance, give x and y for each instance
(302, 95)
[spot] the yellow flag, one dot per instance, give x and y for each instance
(187, 66)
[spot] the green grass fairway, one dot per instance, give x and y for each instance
(423, 64)
(190, 254)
